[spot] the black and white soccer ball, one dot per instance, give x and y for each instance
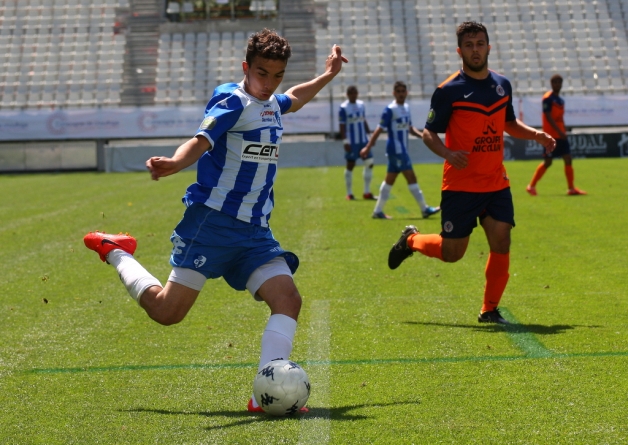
(281, 388)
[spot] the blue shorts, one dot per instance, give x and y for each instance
(218, 245)
(461, 210)
(354, 154)
(399, 162)
(562, 149)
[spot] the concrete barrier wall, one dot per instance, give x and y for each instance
(124, 156)
(292, 154)
(47, 156)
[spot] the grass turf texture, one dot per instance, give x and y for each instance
(393, 356)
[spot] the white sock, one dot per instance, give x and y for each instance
(135, 278)
(277, 340)
(367, 175)
(418, 195)
(349, 181)
(384, 193)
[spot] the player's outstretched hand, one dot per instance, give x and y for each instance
(548, 142)
(459, 159)
(160, 166)
(334, 61)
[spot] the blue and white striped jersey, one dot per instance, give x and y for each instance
(396, 120)
(237, 175)
(354, 117)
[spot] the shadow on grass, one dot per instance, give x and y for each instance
(512, 328)
(242, 417)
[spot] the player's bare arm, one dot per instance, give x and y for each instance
(187, 154)
(343, 136)
(367, 148)
(552, 122)
(518, 129)
(459, 159)
(416, 132)
(305, 92)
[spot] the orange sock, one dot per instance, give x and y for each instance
(429, 245)
(538, 174)
(496, 279)
(569, 175)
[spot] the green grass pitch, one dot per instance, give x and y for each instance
(393, 356)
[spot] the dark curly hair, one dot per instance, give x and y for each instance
(470, 28)
(268, 45)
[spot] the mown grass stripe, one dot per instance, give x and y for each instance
(522, 338)
(371, 362)
(317, 430)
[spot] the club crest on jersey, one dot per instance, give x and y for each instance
(260, 152)
(208, 123)
(500, 90)
(431, 115)
(199, 261)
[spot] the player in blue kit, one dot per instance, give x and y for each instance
(354, 132)
(397, 122)
(224, 231)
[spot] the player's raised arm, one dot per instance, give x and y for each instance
(187, 154)
(305, 92)
(518, 129)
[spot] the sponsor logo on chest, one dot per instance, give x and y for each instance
(260, 152)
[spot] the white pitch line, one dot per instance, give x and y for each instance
(316, 430)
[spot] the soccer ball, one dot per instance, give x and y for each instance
(281, 388)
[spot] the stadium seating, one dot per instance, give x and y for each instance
(414, 41)
(60, 53)
(65, 53)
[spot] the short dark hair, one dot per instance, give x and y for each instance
(352, 88)
(556, 77)
(470, 28)
(267, 44)
(399, 83)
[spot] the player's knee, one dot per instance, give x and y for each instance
(289, 305)
(295, 301)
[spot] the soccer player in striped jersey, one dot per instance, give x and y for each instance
(554, 125)
(473, 107)
(224, 231)
(354, 132)
(397, 122)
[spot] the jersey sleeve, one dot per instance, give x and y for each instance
(510, 110)
(220, 117)
(284, 102)
(386, 118)
(547, 104)
(440, 112)
(342, 115)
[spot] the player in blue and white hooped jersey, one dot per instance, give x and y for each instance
(224, 231)
(397, 122)
(354, 131)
